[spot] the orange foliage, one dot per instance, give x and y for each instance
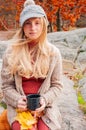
(69, 10)
(4, 125)
(19, 6)
(6, 11)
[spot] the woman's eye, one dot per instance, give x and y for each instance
(38, 23)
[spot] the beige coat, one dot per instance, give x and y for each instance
(50, 90)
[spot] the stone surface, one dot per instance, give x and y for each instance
(82, 86)
(1, 109)
(83, 91)
(3, 47)
(71, 114)
(72, 44)
(81, 58)
(72, 38)
(83, 46)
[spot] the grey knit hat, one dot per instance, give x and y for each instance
(31, 10)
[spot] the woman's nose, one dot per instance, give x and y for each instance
(33, 26)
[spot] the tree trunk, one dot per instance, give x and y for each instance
(50, 29)
(58, 21)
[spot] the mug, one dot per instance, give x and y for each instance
(33, 101)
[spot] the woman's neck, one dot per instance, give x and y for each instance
(33, 47)
(32, 44)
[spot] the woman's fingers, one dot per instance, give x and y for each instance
(42, 103)
(22, 103)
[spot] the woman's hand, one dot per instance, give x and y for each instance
(22, 103)
(42, 103)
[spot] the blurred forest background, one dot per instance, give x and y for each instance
(62, 14)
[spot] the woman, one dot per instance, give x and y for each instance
(32, 65)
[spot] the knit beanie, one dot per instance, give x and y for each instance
(31, 10)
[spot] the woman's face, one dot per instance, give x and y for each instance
(33, 28)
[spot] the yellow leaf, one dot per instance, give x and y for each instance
(25, 119)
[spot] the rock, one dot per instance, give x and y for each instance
(72, 38)
(1, 109)
(82, 82)
(72, 45)
(83, 47)
(82, 86)
(81, 59)
(71, 114)
(0, 63)
(83, 91)
(68, 53)
(1, 94)
(3, 47)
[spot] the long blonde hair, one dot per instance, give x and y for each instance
(21, 57)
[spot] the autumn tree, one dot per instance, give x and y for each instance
(63, 13)
(19, 6)
(7, 11)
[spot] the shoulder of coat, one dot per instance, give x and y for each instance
(54, 50)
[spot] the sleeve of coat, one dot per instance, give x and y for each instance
(56, 82)
(8, 84)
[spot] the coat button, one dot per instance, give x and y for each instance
(47, 120)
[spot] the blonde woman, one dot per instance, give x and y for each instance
(32, 65)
